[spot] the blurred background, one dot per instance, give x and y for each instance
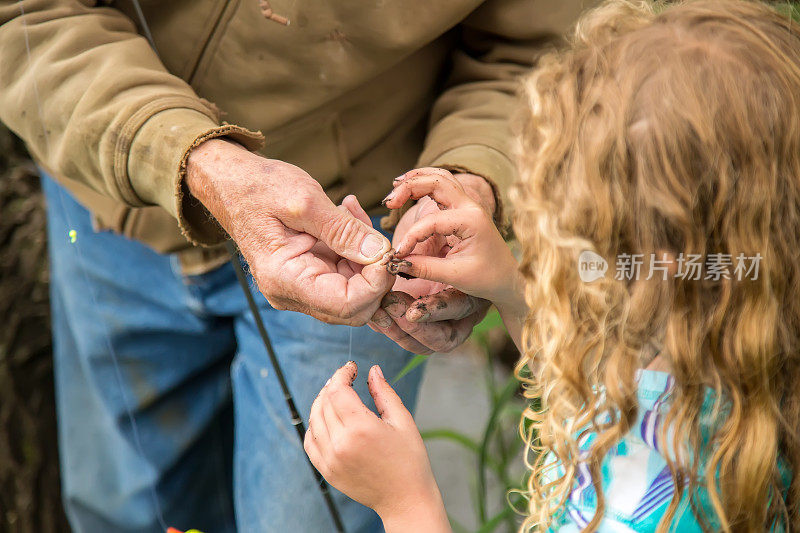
(467, 396)
(29, 489)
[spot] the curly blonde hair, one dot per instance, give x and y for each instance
(666, 127)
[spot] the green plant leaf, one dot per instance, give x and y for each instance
(456, 526)
(491, 524)
(498, 403)
(463, 440)
(491, 321)
(790, 9)
(411, 365)
(449, 434)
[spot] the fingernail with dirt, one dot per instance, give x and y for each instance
(388, 198)
(382, 321)
(379, 372)
(354, 366)
(417, 314)
(371, 246)
(392, 305)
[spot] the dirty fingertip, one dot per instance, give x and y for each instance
(353, 368)
(376, 372)
(401, 249)
(388, 198)
(417, 313)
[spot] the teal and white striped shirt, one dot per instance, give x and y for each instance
(637, 483)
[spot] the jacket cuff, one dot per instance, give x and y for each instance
(156, 167)
(484, 161)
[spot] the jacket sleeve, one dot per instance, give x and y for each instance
(95, 105)
(469, 128)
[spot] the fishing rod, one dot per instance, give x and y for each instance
(297, 420)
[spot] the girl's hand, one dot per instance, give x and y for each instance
(477, 260)
(380, 462)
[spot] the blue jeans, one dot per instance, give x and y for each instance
(169, 411)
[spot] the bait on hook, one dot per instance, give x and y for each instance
(393, 265)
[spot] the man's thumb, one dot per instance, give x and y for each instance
(351, 238)
(389, 404)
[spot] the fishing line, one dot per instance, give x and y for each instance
(350, 349)
(73, 237)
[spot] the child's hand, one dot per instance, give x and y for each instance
(380, 462)
(477, 260)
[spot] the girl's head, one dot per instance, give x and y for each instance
(668, 130)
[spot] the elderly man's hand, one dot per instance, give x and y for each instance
(305, 253)
(424, 316)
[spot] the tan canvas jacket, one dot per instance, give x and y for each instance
(352, 91)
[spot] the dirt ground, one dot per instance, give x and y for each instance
(29, 487)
